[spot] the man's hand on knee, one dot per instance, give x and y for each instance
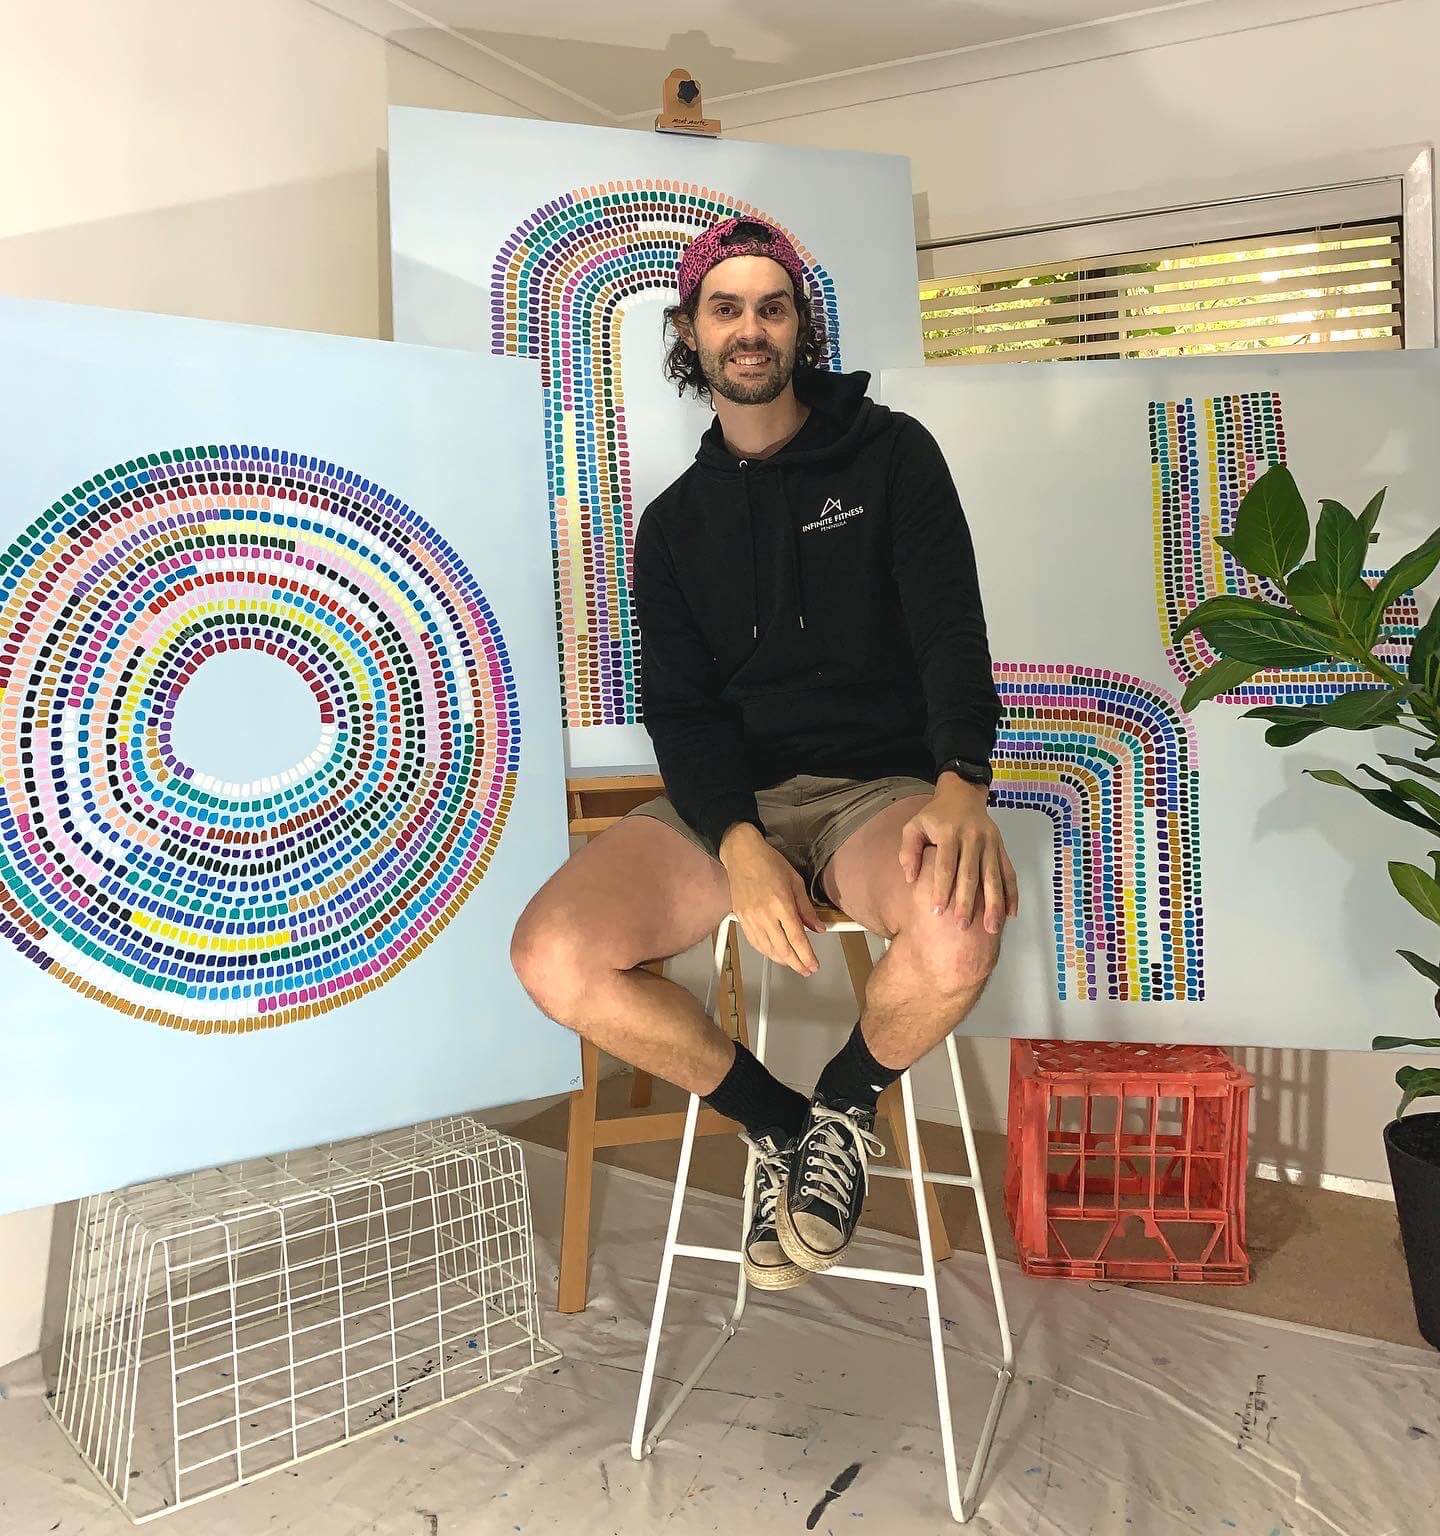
(769, 898)
(971, 870)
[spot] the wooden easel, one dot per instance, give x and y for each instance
(595, 804)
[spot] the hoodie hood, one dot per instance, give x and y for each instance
(852, 420)
(839, 397)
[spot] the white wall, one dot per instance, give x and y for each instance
(1130, 132)
(221, 159)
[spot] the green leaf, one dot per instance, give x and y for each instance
(1220, 608)
(1413, 766)
(1287, 733)
(1290, 722)
(1416, 1083)
(1424, 666)
(1371, 515)
(1264, 634)
(1409, 789)
(1269, 639)
(1407, 572)
(1361, 709)
(1383, 800)
(1310, 594)
(1418, 888)
(1272, 526)
(1340, 545)
(1218, 678)
(1400, 1042)
(1284, 713)
(1414, 790)
(1428, 969)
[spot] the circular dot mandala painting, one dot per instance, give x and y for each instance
(188, 898)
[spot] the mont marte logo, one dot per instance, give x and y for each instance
(831, 516)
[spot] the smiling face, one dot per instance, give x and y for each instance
(746, 329)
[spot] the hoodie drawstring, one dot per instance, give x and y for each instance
(750, 545)
(797, 573)
(797, 577)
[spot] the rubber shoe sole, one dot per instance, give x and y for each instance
(775, 1277)
(797, 1250)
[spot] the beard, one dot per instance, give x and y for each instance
(766, 384)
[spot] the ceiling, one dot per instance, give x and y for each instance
(604, 60)
(617, 54)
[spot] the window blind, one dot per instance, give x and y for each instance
(1321, 289)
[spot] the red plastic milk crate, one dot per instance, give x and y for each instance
(1128, 1162)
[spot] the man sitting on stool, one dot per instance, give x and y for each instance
(815, 677)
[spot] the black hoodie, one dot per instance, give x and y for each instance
(815, 612)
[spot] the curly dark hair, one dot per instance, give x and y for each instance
(682, 365)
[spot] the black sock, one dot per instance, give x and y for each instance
(750, 1093)
(853, 1076)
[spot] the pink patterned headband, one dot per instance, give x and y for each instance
(709, 249)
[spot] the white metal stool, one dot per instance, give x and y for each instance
(962, 1503)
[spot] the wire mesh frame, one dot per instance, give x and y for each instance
(225, 1324)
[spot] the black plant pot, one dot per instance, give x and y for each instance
(1412, 1145)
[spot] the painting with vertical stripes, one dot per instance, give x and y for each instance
(1184, 880)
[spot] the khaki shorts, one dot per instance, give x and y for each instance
(806, 818)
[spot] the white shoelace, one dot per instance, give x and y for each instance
(831, 1156)
(773, 1169)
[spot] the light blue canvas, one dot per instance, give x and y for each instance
(280, 743)
(560, 241)
(1182, 880)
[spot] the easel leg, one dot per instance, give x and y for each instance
(859, 964)
(579, 1166)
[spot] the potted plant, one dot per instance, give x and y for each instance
(1329, 611)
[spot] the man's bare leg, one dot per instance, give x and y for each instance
(934, 971)
(928, 980)
(637, 892)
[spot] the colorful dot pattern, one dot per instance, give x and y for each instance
(1110, 759)
(203, 905)
(1196, 497)
(558, 291)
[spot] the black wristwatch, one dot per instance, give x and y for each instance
(972, 773)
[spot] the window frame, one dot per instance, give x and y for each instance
(1335, 191)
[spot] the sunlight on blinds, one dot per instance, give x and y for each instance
(1322, 290)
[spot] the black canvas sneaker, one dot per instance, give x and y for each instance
(825, 1191)
(766, 1265)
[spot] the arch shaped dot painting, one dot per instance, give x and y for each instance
(1110, 759)
(213, 904)
(558, 287)
(1203, 458)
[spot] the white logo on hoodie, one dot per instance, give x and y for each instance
(831, 516)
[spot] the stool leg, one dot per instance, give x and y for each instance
(894, 1113)
(964, 1506)
(642, 1444)
(932, 1303)
(982, 1207)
